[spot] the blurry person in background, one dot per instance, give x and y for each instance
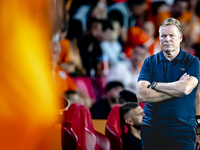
(192, 31)
(127, 71)
(119, 32)
(77, 96)
(132, 115)
(138, 10)
(136, 36)
(71, 96)
(85, 99)
(179, 10)
(149, 28)
(89, 46)
(102, 108)
(98, 9)
(73, 65)
(61, 79)
(110, 46)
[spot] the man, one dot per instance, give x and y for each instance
(168, 84)
(128, 70)
(102, 108)
(62, 80)
(89, 47)
(132, 115)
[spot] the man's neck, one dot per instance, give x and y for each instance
(171, 55)
(135, 132)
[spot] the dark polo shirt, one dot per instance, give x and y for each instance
(178, 112)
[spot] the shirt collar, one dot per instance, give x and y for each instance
(179, 56)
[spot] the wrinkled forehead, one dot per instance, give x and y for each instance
(168, 29)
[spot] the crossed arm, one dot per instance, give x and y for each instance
(165, 91)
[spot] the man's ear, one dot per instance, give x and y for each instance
(129, 121)
(181, 37)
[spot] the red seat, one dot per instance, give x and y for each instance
(114, 128)
(73, 135)
(68, 139)
(84, 84)
(79, 133)
(102, 142)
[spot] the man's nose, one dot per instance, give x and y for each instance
(167, 38)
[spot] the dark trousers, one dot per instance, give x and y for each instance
(154, 139)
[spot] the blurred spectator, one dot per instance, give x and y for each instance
(74, 65)
(89, 47)
(110, 46)
(102, 108)
(178, 10)
(116, 16)
(99, 10)
(128, 70)
(136, 36)
(132, 115)
(93, 8)
(85, 99)
(149, 28)
(72, 96)
(140, 13)
(76, 96)
(192, 30)
(61, 78)
(127, 96)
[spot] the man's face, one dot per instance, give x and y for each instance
(136, 115)
(113, 94)
(96, 30)
(138, 55)
(170, 38)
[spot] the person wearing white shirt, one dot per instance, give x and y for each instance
(127, 71)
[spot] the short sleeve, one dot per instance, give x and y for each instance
(145, 71)
(193, 68)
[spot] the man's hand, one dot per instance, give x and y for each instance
(184, 77)
(197, 142)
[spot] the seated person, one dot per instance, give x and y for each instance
(110, 46)
(127, 71)
(89, 47)
(127, 96)
(102, 108)
(132, 115)
(86, 100)
(71, 96)
(73, 65)
(61, 79)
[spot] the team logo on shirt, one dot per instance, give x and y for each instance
(62, 74)
(183, 69)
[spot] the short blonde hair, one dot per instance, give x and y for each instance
(172, 21)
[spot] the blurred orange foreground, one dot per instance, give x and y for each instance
(27, 98)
